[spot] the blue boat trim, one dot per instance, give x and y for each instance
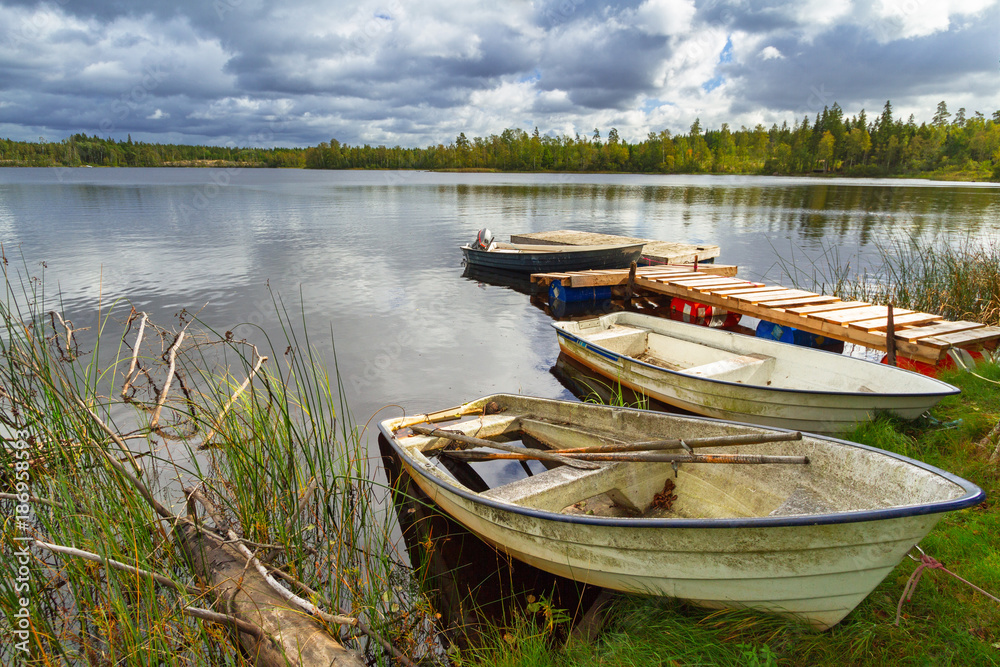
(611, 257)
(973, 496)
(618, 358)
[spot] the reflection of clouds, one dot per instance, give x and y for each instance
(373, 258)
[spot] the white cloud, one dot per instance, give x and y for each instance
(905, 19)
(770, 53)
(665, 17)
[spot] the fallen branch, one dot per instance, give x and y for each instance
(362, 627)
(231, 621)
(33, 499)
(172, 363)
(68, 325)
(117, 565)
(206, 441)
(300, 639)
(283, 592)
(129, 379)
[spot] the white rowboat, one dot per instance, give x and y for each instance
(808, 541)
(727, 375)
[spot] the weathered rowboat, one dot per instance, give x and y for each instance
(733, 376)
(811, 542)
(524, 258)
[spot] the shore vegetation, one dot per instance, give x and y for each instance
(949, 146)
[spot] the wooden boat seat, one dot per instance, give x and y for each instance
(629, 486)
(622, 339)
(735, 369)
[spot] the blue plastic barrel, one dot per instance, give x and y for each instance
(557, 292)
(787, 334)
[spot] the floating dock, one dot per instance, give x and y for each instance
(921, 336)
(653, 253)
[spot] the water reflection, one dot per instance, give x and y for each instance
(371, 259)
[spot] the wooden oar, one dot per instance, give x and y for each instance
(676, 443)
(536, 454)
(474, 407)
(634, 457)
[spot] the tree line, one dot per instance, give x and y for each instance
(79, 150)
(949, 145)
(831, 142)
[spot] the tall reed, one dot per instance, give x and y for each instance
(284, 461)
(958, 282)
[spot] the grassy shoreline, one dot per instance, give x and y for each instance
(946, 622)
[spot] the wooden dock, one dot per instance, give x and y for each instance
(921, 336)
(653, 253)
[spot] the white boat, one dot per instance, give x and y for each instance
(809, 541)
(728, 375)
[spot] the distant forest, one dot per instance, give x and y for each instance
(80, 150)
(949, 146)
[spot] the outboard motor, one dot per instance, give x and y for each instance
(483, 239)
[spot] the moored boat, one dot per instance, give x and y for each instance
(524, 258)
(732, 376)
(811, 542)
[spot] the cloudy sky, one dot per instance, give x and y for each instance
(419, 72)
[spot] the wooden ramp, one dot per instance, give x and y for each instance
(653, 252)
(922, 336)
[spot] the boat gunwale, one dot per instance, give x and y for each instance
(612, 356)
(574, 250)
(973, 494)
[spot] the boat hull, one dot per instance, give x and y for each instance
(815, 410)
(810, 573)
(811, 566)
(610, 257)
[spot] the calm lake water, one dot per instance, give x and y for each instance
(373, 256)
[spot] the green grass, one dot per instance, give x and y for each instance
(946, 622)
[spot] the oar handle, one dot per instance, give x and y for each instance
(480, 442)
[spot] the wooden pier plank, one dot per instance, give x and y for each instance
(803, 299)
(761, 294)
(937, 329)
(699, 282)
(823, 308)
(882, 323)
(969, 337)
(721, 289)
(859, 314)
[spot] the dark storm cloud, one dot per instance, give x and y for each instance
(409, 73)
(606, 71)
(859, 70)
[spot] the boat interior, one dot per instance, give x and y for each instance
(722, 355)
(838, 478)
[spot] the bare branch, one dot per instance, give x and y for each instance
(206, 442)
(286, 594)
(131, 375)
(172, 359)
(231, 621)
(117, 565)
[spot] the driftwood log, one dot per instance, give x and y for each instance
(298, 639)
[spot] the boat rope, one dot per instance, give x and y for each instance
(929, 563)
